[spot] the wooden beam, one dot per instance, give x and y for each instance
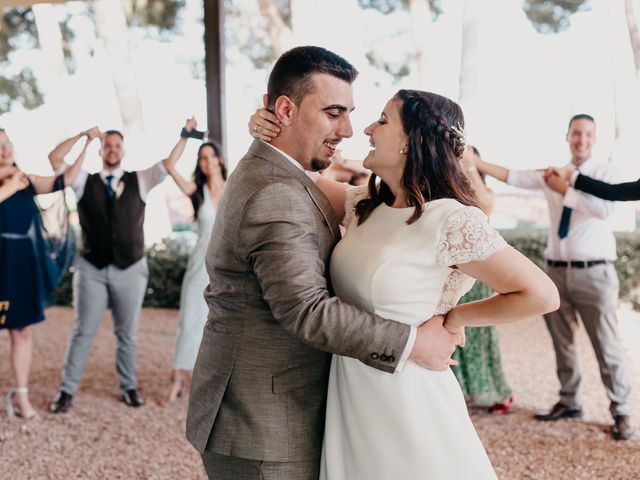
(214, 68)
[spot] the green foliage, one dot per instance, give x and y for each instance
(553, 16)
(18, 29)
(389, 6)
(22, 87)
(162, 14)
(397, 69)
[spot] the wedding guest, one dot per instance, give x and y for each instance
(580, 252)
(204, 190)
(111, 271)
(479, 369)
(23, 293)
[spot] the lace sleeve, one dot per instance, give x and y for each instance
(467, 237)
(354, 195)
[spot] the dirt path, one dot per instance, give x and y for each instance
(101, 438)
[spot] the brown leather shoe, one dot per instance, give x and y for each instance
(622, 428)
(559, 411)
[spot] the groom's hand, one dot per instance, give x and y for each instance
(435, 345)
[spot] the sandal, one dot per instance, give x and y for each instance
(12, 410)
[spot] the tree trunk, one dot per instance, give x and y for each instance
(50, 40)
(634, 36)
(112, 28)
(281, 35)
(469, 95)
(421, 20)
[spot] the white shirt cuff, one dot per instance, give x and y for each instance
(574, 176)
(407, 349)
(571, 198)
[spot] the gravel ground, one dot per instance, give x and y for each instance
(102, 438)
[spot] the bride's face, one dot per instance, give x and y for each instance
(388, 142)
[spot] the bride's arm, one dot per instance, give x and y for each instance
(523, 291)
(336, 192)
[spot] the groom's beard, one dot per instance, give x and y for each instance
(317, 164)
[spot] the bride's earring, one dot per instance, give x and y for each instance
(403, 151)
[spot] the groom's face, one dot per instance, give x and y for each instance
(321, 121)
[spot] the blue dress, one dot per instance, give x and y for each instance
(19, 280)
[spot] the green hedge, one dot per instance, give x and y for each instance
(168, 260)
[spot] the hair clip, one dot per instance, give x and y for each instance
(458, 129)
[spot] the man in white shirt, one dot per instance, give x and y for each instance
(580, 252)
(111, 270)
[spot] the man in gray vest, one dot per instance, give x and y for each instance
(256, 409)
(111, 270)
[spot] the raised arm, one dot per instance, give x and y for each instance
(336, 192)
(58, 154)
(46, 184)
(187, 187)
(483, 193)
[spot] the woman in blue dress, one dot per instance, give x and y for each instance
(204, 190)
(23, 286)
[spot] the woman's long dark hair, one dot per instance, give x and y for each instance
(200, 178)
(434, 126)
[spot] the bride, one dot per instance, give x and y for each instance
(414, 244)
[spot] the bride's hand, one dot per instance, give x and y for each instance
(263, 125)
(453, 328)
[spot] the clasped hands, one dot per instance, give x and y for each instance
(13, 176)
(558, 179)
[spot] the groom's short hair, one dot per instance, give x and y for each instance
(292, 73)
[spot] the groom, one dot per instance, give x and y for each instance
(260, 381)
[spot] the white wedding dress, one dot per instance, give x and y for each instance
(412, 424)
(193, 307)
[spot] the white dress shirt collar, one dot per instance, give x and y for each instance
(285, 155)
(116, 173)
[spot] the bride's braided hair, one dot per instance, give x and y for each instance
(434, 127)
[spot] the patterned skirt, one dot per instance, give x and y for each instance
(480, 369)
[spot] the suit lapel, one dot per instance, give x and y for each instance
(270, 154)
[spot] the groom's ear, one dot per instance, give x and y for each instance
(285, 110)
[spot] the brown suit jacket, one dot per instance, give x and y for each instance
(260, 379)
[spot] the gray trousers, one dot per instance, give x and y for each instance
(93, 291)
(223, 467)
(592, 294)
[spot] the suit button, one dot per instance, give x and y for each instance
(383, 357)
(392, 359)
(375, 356)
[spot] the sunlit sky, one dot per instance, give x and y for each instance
(529, 86)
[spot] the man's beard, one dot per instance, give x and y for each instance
(113, 163)
(317, 164)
